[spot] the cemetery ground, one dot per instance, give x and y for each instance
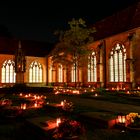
(86, 107)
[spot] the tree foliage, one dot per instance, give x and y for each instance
(73, 43)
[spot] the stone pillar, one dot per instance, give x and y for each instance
(68, 74)
(20, 78)
(131, 39)
(47, 71)
(101, 65)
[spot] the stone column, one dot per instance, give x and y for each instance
(132, 40)
(101, 65)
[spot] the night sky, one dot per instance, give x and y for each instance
(38, 20)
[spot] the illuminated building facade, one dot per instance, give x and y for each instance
(114, 61)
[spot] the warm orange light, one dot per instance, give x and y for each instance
(121, 119)
(26, 96)
(96, 94)
(38, 97)
(56, 92)
(92, 90)
(35, 96)
(62, 103)
(35, 104)
(58, 121)
(23, 106)
(76, 91)
(117, 88)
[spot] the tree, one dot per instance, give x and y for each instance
(73, 44)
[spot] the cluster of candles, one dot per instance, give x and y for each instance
(121, 119)
(37, 100)
(71, 91)
(23, 106)
(127, 119)
(32, 96)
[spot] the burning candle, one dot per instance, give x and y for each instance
(58, 121)
(35, 104)
(62, 103)
(96, 94)
(23, 106)
(121, 119)
(35, 96)
(26, 96)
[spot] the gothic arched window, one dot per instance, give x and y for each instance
(35, 72)
(8, 73)
(92, 68)
(117, 64)
(60, 73)
(74, 75)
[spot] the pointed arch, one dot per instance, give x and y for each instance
(74, 72)
(117, 64)
(8, 72)
(35, 72)
(92, 68)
